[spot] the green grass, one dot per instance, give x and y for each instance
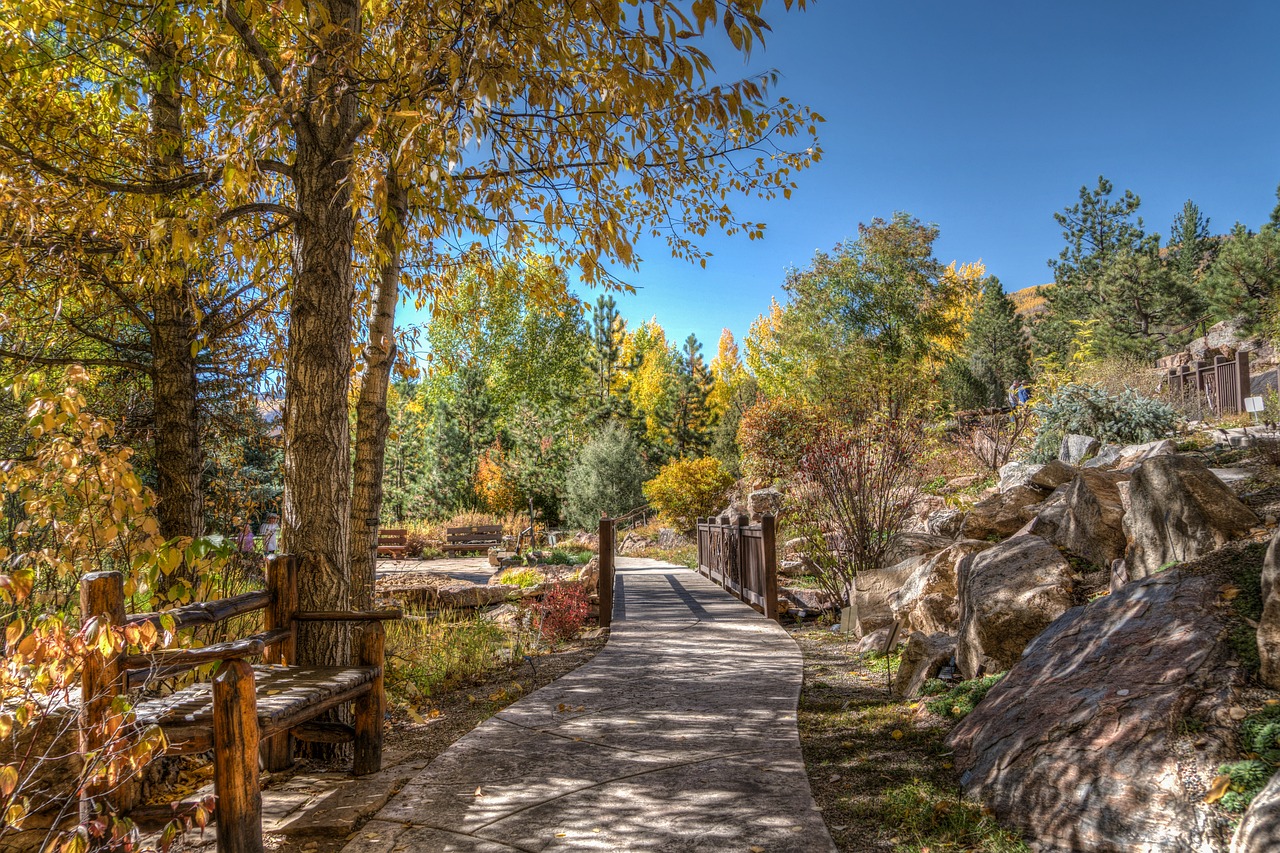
(525, 578)
(956, 702)
(928, 818)
(428, 656)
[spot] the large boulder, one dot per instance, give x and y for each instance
(1179, 511)
(1000, 515)
(922, 659)
(1014, 474)
(907, 545)
(1269, 624)
(929, 599)
(1008, 595)
(764, 502)
(1054, 474)
(1076, 449)
(1084, 744)
(874, 593)
(945, 523)
(1133, 455)
(1091, 524)
(1259, 830)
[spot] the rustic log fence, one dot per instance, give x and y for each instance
(604, 579)
(741, 558)
(1223, 384)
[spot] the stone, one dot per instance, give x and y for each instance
(1083, 744)
(873, 642)
(590, 572)
(964, 481)
(1133, 455)
(467, 595)
(1091, 522)
(1008, 595)
(928, 601)
(1269, 623)
(1178, 511)
(923, 658)
(1077, 448)
(945, 523)
(1106, 456)
(1000, 515)
(921, 508)
(1259, 830)
(1014, 474)
(669, 537)
(1048, 514)
(873, 592)
(811, 601)
(907, 545)
(764, 502)
(1050, 476)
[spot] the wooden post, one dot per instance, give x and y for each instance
(101, 680)
(235, 759)
(604, 580)
(1242, 377)
(370, 709)
(282, 583)
(769, 542)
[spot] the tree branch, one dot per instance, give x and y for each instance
(255, 48)
(87, 362)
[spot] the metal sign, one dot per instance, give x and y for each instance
(1253, 404)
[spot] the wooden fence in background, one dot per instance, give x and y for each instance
(1223, 384)
(743, 559)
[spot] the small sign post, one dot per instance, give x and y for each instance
(1254, 405)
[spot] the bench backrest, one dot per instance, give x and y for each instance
(483, 533)
(393, 536)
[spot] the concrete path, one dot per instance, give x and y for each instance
(679, 735)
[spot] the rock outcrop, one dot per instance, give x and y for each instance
(874, 592)
(1079, 744)
(929, 599)
(1008, 595)
(1076, 449)
(1269, 624)
(1000, 515)
(1179, 511)
(1014, 474)
(1091, 524)
(922, 659)
(1259, 830)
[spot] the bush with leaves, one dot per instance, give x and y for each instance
(562, 612)
(607, 478)
(1124, 418)
(856, 489)
(956, 702)
(687, 489)
(774, 435)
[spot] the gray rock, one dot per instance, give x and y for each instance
(805, 598)
(945, 523)
(1178, 511)
(923, 658)
(1091, 523)
(1050, 476)
(907, 545)
(1077, 448)
(875, 590)
(764, 502)
(928, 600)
(1014, 474)
(1106, 456)
(873, 642)
(1269, 624)
(1001, 515)
(1081, 744)
(1133, 455)
(1259, 830)
(1008, 595)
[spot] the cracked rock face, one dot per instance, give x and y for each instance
(1081, 744)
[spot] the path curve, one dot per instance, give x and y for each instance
(680, 735)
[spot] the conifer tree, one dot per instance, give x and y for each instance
(996, 343)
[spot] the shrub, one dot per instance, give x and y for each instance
(774, 435)
(607, 478)
(562, 612)
(523, 577)
(958, 701)
(933, 819)
(1124, 418)
(687, 489)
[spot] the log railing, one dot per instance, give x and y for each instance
(741, 558)
(1223, 384)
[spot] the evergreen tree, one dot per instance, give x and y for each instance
(1097, 230)
(1190, 248)
(462, 429)
(692, 427)
(996, 344)
(1245, 277)
(1275, 211)
(608, 477)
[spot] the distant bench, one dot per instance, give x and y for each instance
(481, 537)
(393, 542)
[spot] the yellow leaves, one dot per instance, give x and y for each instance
(8, 780)
(14, 633)
(1218, 789)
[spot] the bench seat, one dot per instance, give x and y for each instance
(286, 695)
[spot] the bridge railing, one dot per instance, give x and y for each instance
(742, 558)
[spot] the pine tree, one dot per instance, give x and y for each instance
(692, 428)
(996, 343)
(1190, 248)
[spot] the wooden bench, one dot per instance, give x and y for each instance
(246, 710)
(393, 542)
(481, 537)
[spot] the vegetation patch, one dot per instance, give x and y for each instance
(956, 702)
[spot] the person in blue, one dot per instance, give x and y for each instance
(1019, 394)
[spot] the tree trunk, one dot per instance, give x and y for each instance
(317, 472)
(174, 330)
(372, 422)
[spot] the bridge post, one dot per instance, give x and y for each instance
(604, 578)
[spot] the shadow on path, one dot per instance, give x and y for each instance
(679, 735)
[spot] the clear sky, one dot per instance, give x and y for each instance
(985, 118)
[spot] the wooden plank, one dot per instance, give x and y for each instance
(604, 578)
(101, 680)
(324, 732)
(207, 612)
(769, 544)
(282, 582)
(369, 710)
(235, 759)
(387, 613)
(164, 658)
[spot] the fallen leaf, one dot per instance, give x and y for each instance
(1220, 786)
(478, 794)
(897, 734)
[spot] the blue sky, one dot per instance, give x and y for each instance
(985, 118)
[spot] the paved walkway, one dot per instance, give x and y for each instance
(679, 735)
